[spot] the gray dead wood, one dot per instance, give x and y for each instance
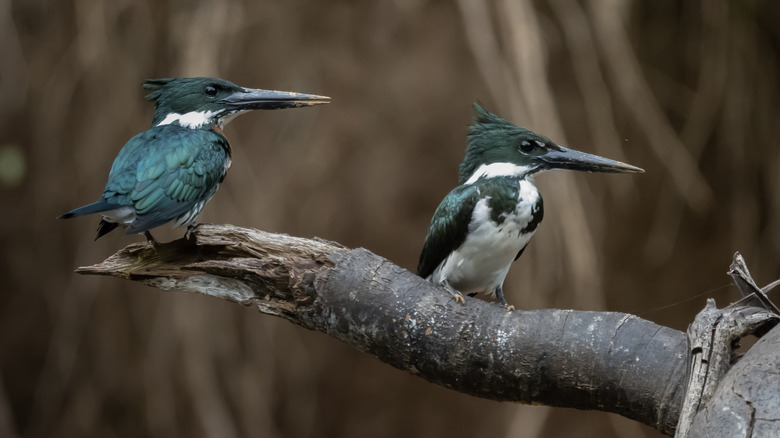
(713, 339)
(727, 400)
(605, 361)
(746, 403)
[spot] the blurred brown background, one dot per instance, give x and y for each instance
(686, 90)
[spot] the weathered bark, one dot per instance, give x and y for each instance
(725, 401)
(712, 340)
(589, 360)
(746, 402)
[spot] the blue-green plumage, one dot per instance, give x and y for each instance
(448, 229)
(485, 223)
(170, 171)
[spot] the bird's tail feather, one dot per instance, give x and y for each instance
(105, 227)
(95, 207)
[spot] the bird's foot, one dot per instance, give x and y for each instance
(455, 294)
(150, 239)
(501, 301)
(505, 305)
(190, 229)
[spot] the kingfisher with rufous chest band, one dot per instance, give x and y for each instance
(169, 172)
(485, 223)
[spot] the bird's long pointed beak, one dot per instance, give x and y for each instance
(251, 99)
(564, 158)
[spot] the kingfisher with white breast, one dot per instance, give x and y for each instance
(485, 223)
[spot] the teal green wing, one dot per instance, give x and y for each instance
(167, 173)
(449, 227)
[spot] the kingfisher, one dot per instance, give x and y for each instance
(485, 223)
(169, 172)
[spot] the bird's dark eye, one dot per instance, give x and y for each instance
(210, 90)
(526, 146)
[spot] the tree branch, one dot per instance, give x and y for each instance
(588, 360)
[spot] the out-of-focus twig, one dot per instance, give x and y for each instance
(631, 85)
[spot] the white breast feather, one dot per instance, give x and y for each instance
(482, 261)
